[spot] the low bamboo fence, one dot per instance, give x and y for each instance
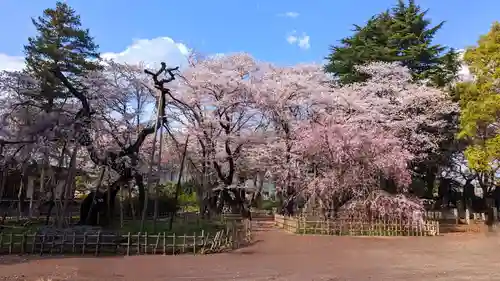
(450, 215)
(452, 221)
(346, 227)
(237, 234)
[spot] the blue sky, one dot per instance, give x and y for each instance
(223, 26)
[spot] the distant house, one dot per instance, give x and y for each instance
(268, 189)
(169, 173)
(13, 182)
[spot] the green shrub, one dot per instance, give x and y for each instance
(269, 204)
(187, 200)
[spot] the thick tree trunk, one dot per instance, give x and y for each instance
(430, 180)
(151, 163)
(52, 183)
(67, 192)
(131, 203)
(112, 159)
(21, 195)
(88, 213)
(139, 181)
(109, 215)
(121, 207)
(258, 184)
(492, 214)
(178, 187)
(4, 181)
(155, 211)
(41, 191)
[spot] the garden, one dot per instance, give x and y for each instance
(101, 157)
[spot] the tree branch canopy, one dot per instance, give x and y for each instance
(82, 121)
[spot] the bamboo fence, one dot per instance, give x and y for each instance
(236, 234)
(454, 215)
(374, 227)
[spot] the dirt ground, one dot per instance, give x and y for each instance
(280, 256)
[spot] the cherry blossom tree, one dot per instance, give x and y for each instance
(338, 142)
(102, 120)
(412, 111)
(213, 105)
(286, 97)
(30, 132)
(348, 160)
(239, 117)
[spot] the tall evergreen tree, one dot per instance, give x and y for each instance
(60, 42)
(400, 34)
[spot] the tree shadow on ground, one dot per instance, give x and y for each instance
(247, 249)
(17, 259)
(6, 260)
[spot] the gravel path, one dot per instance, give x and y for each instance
(280, 256)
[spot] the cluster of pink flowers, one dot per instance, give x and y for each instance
(244, 117)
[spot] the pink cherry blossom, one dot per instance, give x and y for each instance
(241, 117)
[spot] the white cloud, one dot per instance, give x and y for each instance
(301, 41)
(464, 73)
(216, 55)
(290, 15)
(150, 51)
(304, 42)
(291, 39)
(11, 63)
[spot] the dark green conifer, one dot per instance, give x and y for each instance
(60, 42)
(401, 34)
